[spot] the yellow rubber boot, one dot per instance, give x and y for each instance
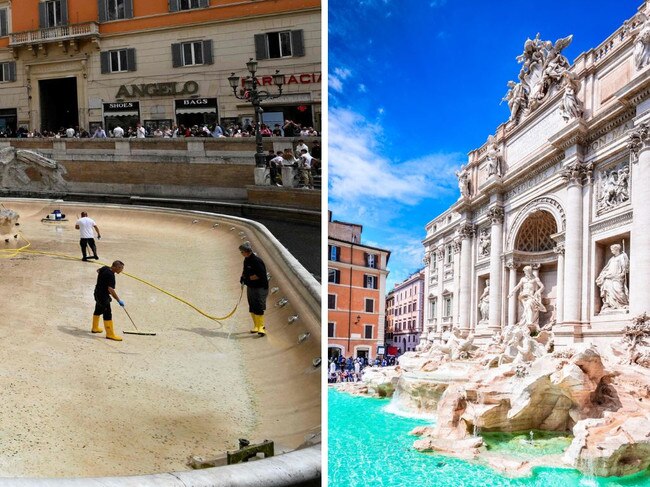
(110, 334)
(259, 321)
(96, 328)
(254, 330)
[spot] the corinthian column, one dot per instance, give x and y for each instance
(573, 174)
(559, 300)
(465, 232)
(640, 235)
(496, 242)
(512, 300)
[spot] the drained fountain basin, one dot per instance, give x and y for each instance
(75, 404)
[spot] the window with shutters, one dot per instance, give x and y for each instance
(448, 305)
(330, 330)
(8, 71)
(334, 276)
(369, 282)
(370, 305)
(192, 53)
(4, 27)
(334, 252)
(368, 332)
(371, 260)
(117, 61)
(116, 9)
(54, 13)
(274, 45)
(331, 301)
(176, 5)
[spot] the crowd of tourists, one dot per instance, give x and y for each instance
(351, 369)
(289, 129)
(305, 160)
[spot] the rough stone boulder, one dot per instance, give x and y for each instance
(381, 381)
(616, 445)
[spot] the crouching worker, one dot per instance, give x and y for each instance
(257, 286)
(104, 289)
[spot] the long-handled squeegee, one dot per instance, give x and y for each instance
(136, 332)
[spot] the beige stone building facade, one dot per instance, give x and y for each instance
(74, 62)
(552, 228)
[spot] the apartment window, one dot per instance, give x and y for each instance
(368, 332)
(330, 330)
(450, 254)
(8, 71)
(370, 305)
(115, 10)
(53, 13)
(334, 252)
(117, 61)
(4, 26)
(331, 301)
(369, 282)
(192, 53)
(273, 45)
(176, 5)
(334, 276)
(371, 260)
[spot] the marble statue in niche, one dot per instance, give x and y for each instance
(463, 181)
(530, 296)
(612, 280)
(484, 302)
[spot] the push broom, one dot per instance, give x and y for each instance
(136, 332)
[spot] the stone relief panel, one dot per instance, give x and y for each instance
(612, 188)
(484, 243)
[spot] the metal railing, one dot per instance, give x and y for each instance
(53, 34)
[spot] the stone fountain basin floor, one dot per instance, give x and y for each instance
(76, 404)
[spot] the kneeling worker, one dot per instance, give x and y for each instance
(104, 289)
(257, 286)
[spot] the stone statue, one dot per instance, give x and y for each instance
(516, 98)
(15, 162)
(613, 188)
(530, 298)
(571, 106)
(8, 222)
(493, 157)
(542, 68)
(463, 181)
(642, 41)
(484, 243)
(454, 346)
(484, 302)
(612, 280)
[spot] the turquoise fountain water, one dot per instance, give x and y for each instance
(368, 446)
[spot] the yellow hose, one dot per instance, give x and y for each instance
(24, 249)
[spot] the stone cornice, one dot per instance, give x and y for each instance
(613, 222)
(574, 133)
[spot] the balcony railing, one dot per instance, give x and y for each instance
(54, 34)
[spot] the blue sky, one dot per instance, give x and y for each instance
(414, 86)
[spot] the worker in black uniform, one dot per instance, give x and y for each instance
(257, 286)
(104, 289)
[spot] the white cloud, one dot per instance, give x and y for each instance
(362, 177)
(362, 88)
(337, 77)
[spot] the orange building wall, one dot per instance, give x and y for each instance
(154, 14)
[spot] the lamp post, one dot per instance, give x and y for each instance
(256, 96)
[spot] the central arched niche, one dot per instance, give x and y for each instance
(534, 239)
